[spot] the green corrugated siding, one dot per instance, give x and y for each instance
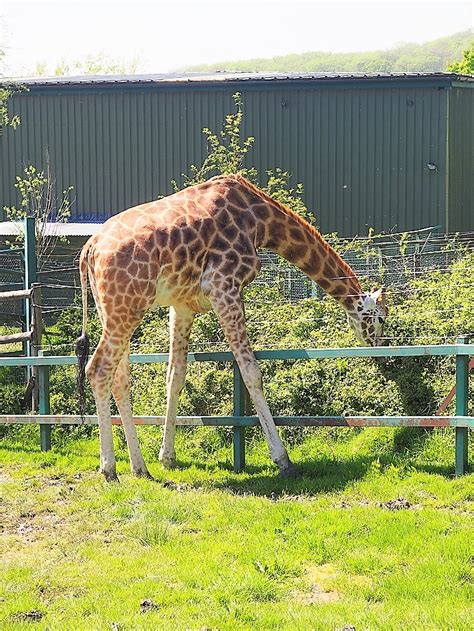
(362, 153)
(461, 160)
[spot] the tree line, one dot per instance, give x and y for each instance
(433, 56)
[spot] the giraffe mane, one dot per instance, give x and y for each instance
(311, 229)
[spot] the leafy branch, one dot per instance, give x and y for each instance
(37, 198)
(227, 152)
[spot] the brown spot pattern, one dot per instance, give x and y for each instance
(213, 227)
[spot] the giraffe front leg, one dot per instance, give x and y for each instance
(121, 394)
(228, 307)
(181, 320)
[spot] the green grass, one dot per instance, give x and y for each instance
(204, 548)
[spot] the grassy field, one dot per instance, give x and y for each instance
(375, 534)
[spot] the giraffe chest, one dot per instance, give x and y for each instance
(171, 290)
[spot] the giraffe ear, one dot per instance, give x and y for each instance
(378, 295)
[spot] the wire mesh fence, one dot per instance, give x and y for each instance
(393, 260)
(11, 278)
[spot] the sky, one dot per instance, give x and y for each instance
(166, 36)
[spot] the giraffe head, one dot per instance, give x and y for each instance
(368, 318)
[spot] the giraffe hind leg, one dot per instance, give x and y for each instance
(121, 394)
(181, 321)
(100, 371)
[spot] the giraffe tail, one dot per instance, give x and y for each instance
(82, 342)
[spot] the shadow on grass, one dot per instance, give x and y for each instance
(315, 476)
(446, 471)
(19, 448)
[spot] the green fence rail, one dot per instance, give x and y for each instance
(241, 418)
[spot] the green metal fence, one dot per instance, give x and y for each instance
(241, 418)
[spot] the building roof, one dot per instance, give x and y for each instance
(13, 228)
(231, 77)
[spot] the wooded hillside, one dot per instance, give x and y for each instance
(433, 56)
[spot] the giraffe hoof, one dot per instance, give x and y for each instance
(143, 473)
(168, 460)
(110, 476)
(290, 471)
(168, 463)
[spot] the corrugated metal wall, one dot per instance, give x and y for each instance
(361, 153)
(461, 160)
(117, 148)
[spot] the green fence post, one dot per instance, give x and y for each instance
(240, 404)
(30, 279)
(44, 406)
(462, 398)
(31, 272)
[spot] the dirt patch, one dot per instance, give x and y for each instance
(174, 486)
(319, 595)
(351, 504)
(31, 526)
(398, 504)
(148, 605)
(320, 577)
(28, 616)
(465, 508)
(48, 592)
(26, 514)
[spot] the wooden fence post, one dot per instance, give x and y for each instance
(462, 399)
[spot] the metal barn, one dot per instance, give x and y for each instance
(391, 152)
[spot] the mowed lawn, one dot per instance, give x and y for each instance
(364, 539)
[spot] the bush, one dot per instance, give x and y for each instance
(334, 387)
(397, 386)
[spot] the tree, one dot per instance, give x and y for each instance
(37, 193)
(6, 119)
(93, 64)
(227, 153)
(466, 65)
(433, 56)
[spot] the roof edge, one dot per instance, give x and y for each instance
(227, 77)
(54, 229)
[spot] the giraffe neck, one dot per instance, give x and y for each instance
(305, 248)
(284, 232)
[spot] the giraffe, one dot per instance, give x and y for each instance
(193, 251)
